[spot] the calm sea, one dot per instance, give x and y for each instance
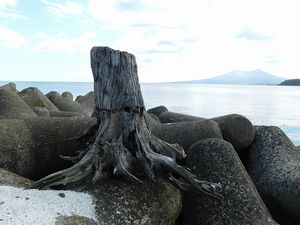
(263, 105)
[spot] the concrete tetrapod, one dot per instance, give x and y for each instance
(121, 201)
(64, 104)
(173, 117)
(87, 102)
(35, 98)
(65, 114)
(41, 111)
(236, 129)
(10, 87)
(67, 95)
(216, 160)
(12, 106)
(273, 162)
(8, 178)
(32, 147)
(186, 133)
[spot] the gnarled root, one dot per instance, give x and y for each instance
(121, 150)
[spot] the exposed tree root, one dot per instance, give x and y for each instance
(121, 154)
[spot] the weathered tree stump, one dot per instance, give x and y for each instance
(121, 141)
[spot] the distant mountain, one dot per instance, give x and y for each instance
(291, 82)
(243, 77)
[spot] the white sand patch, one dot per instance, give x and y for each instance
(41, 207)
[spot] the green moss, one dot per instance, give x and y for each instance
(74, 220)
(11, 179)
(33, 101)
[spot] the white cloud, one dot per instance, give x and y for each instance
(64, 10)
(69, 45)
(8, 10)
(11, 39)
(180, 40)
(40, 34)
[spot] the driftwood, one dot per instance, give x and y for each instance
(121, 141)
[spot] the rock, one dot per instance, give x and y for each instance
(8, 178)
(12, 106)
(128, 202)
(187, 133)
(35, 98)
(41, 111)
(87, 102)
(32, 147)
(215, 160)
(64, 104)
(10, 87)
(157, 110)
(65, 114)
(67, 95)
(273, 163)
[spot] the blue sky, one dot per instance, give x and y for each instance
(47, 40)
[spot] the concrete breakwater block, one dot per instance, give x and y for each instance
(186, 133)
(64, 104)
(173, 117)
(32, 147)
(273, 163)
(41, 111)
(215, 160)
(87, 102)
(66, 114)
(236, 129)
(132, 203)
(13, 106)
(8, 178)
(157, 110)
(35, 98)
(67, 95)
(165, 116)
(10, 87)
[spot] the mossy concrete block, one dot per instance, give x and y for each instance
(32, 147)
(12, 106)
(187, 133)
(35, 98)
(124, 202)
(64, 104)
(10, 87)
(273, 162)
(41, 111)
(215, 160)
(8, 178)
(74, 220)
(67, 95)
(66, 114)
(87, 102)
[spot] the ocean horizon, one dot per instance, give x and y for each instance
(261, 104)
